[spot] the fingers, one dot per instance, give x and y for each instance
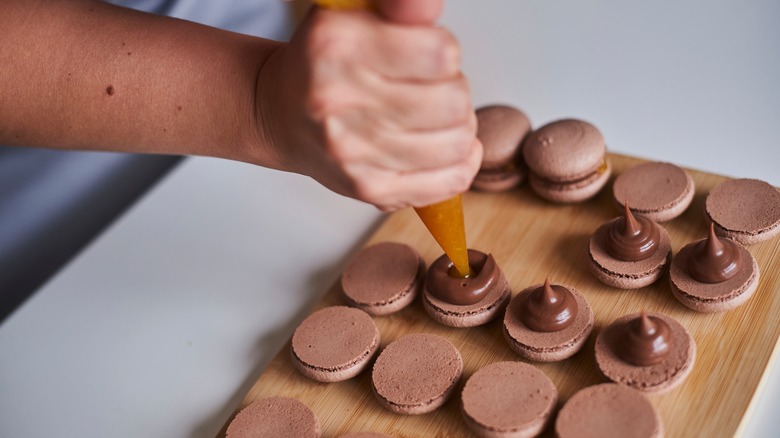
(415, 53)
(412, 53)
(383, 113)
(414, 106)
(360, 138)
(391, 191)
(406, 151)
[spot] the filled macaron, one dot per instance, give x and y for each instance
(567, 161)
(713, 274)
(548, 322)
(465, 302)
(630, 251)
(658, 191)
(501, 129)
(648, 351)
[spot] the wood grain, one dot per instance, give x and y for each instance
(531, 239)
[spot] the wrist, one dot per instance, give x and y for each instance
(264, 147)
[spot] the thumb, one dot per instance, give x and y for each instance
(414, 12)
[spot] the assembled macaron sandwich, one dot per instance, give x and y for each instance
(501, 129)
(567, 161)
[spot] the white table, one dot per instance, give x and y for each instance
(160, 326)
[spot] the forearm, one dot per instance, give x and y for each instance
(88, 75)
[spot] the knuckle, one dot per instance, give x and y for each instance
(339, 150)
(326, 99)
(472, 122)
(318, 102)
(338, 146)
(463, 139)
(327, 42)
(321, 29)
(368, 190)
(460, 100)
(461, 180)
(448, 51)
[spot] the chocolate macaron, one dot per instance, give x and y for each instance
(713, 274)
(278, 417)
(334, 344)
(416, 373)
(508, 400)
(567, 161)
(501, 129)
(658, 191)
(383, 278)
(608, 410)
(548, 322)
(465, 302)
(744, 210)
(650, 352)
(630, 251)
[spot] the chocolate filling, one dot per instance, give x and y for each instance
(632, 238)
(714, 260)
(549, 308)
(646, 340)
(442, 281)
(602, 167)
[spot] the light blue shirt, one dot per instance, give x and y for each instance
(264, 18)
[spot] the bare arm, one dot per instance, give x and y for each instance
(371, 106)
(89, 75)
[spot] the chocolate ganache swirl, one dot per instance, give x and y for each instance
(548, 308)
(444, 283)
(714, 260)
(646, 341)
(632, 238)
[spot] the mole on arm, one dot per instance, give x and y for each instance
(110, 90)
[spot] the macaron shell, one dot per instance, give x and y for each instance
(547, 346)
(576, 191)
(501, 129)
(334, 344)
(508, 400)
(717, 297)
(744, 210)
(472, 315)
(564, 150)
(622, 274)
(660, 191)
(607, 410)
(279, 417)
(416, 373)
(383, 278)
(498, 181)
(656, 379)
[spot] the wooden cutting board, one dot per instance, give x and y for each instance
(530, 239)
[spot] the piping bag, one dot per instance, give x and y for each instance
(444, 220)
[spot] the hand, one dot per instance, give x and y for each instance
(372, 106)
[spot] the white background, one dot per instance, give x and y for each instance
(159, 327)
